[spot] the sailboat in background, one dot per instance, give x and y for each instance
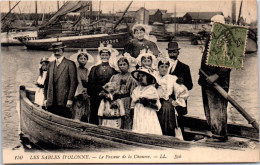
(11, 32)
(90, 36)
(251, 45)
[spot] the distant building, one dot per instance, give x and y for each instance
(156, 15)
(167, 17)
(199, 17)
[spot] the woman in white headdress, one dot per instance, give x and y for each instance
(81, 107)
(126, 85)
(99, 75)
(141, 41)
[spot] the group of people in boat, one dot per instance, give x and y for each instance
(142, 89)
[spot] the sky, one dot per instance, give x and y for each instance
(249, 8)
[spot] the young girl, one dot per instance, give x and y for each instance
(111, 110)
(126, 85)
(147, 60)
(171, 95)
(39, 95)
(145, 103)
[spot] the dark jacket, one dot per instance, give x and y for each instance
(223, 73)
(182, 70)
(134, 47)
(60, 88)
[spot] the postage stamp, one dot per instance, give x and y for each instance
(227, 45)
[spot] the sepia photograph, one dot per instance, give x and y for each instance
(129, 81)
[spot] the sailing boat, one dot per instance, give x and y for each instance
(251, 45)
(115, 37)
(9, 37)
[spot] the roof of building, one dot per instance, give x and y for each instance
(203, 15)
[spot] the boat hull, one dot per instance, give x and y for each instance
(86, 41)
(41, 126)
(67, 133)
(10, 39)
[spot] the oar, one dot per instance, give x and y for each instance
(234, 103)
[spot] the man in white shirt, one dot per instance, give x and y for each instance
(61, 83)
(182, 71)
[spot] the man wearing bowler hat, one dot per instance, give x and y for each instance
(61, 83)
(182, 71)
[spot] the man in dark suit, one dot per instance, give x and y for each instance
(182, 71)
(61, 83)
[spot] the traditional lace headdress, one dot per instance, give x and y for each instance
(147, 53)
(147, 29)
(74, 57)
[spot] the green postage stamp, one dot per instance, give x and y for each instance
(227, 46)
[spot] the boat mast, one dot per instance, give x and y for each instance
(58, 5)
(9, 5)
(36, 13)
(10, 10)
(240, 10)
(90, 8)
(99, 9)
(175, 25)
(233, 14)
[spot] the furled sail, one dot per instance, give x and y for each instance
(68, 7)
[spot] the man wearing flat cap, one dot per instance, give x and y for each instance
(182, 71)
(61, 83)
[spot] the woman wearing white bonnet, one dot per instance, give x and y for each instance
(99, 75)
(141, 41)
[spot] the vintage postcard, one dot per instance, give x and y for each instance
(129, 81)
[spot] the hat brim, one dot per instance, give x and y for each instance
(173, 48)
(44, 61)
(136, 72)
(58, 48)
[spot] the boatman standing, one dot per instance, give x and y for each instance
(182, 71)
(215, 105)
(61, 83)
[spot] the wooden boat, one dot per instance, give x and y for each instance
(43, 127)
(10, 38)
(160, 32)
(117, 40)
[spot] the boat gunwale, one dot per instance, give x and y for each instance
(162, 140)
(50, 40)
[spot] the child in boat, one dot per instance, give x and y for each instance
(110, 111)
(39, 93)
(145, 103)
(147, 60)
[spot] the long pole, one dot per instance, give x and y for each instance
(36, 13)
(10, 11)
(175, 24)
(239, 14)
(99, 9)
(58, 5)
(123, 14)
(233, 14)
(9, 5)
(234, 103)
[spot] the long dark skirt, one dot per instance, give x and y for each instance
(167, 119)
(81, 109)
(128, 121)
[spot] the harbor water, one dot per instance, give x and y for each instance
(20, 66)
